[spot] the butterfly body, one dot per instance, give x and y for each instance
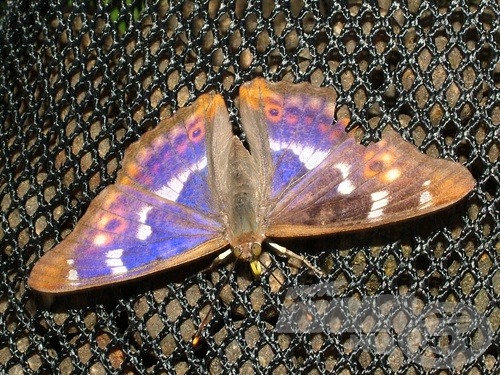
(245, 231)
(189, 188)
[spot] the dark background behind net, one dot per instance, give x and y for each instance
(79, 82)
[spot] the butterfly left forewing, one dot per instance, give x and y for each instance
(160, 213)
(171, 160)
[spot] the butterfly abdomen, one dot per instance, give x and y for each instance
(243, 202)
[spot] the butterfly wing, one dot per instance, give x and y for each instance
(159, 214)
(290, 126)
(171, 160)
(359, 187)
(325, 182)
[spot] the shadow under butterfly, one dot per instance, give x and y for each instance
(189, 188)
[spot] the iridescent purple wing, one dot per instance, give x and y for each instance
(159, 214)
(325, 182)
(294, 123)
(171, 160)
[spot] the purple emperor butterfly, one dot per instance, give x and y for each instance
(190, 188)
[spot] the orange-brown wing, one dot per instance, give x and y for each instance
(358, 187)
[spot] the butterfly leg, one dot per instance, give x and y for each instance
(220, 259)
(283, 251)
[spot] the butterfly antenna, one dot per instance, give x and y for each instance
(318, 272)
(197, 336)
(283, 251)
(309, 316)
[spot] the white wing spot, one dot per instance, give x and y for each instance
(306, 153)
(426, 183)
(314, 159)
(73, 274)
(201, 164)
(425, 197)
(375, 214)
(275, 146)
(70, 262)
(379, 204)
(173, 188)
(343, 169)
(167, 193)
(297, 148)
(345, 187)
(392, 174)
(114, 261)
(101, 239)
(118, 270)
(379, 195)
(309, 156)
(114, 254)
(379, 201)
(143, 232)
(177, 183)
(143, 213)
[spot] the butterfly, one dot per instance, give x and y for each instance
(190, 188)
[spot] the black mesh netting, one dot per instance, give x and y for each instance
(80, 81)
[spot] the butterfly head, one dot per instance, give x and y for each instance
(250, 252)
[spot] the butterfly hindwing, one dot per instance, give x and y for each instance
(159, 213)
